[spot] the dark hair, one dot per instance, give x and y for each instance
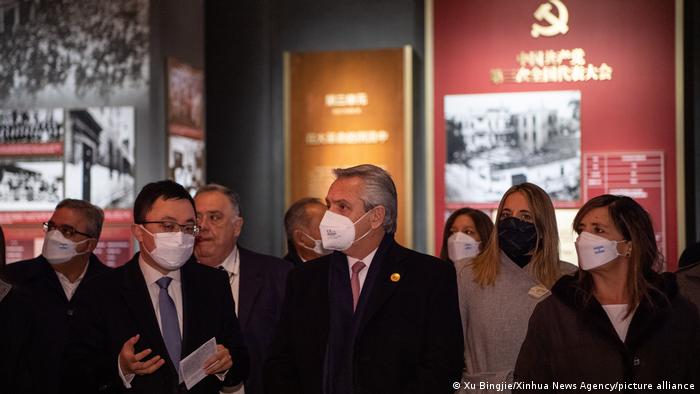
(94, 215)
(484, 226)
(232, 196)
(634, 223)
(296, 216)
(167, 190)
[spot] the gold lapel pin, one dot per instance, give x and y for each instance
(395, 277)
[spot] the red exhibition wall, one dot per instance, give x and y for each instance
(627, 89)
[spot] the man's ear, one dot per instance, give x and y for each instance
(91, 245)
(137, 231)
(297, 237)
(377, 216)
(239, 227)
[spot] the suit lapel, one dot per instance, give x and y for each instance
(249, 286)
(389, 258)
(138, 301)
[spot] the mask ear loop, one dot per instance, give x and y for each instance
(303, 245)
(628, 253)
(368, 231)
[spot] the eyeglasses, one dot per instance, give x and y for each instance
(66, 230)
(172, 227)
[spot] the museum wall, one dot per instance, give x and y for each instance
(245, 41)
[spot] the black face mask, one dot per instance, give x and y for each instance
(517, 238)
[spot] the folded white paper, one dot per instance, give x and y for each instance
(192, 366)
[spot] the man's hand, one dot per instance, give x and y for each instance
(131, 363)
(219, 362)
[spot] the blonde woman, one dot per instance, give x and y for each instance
(500, 288)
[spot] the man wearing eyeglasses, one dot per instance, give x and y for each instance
(139, 321)
(257, 281)
(56, 276)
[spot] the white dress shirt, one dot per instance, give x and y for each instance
(232, 266)
(70, 287)
(363, 274)
(151, 275)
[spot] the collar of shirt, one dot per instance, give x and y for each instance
(68, 286)
(367, 260)
(151, 275)
(232, 263)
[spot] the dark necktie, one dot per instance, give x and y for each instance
(169, 325)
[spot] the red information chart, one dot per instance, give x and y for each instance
(639, 175)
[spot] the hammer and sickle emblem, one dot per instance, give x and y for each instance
(557, 24)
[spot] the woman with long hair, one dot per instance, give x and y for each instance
(466, 232)
(499, 289)
(618, 319)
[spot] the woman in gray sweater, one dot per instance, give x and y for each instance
(500, 288)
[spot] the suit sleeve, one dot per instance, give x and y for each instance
(442, 360)
(232, 338)
(534, 357)
(279, 372)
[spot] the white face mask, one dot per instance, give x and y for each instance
(594, 250)
(318, 245)
(338, 231)
(58, 249)
(461, 246)
(172, 249)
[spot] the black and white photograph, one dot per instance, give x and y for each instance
(497, 140)
(31, 126)
(100, 156)
(72, 48)
(186, 162)
(30, 185)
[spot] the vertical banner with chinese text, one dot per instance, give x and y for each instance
(348, 108)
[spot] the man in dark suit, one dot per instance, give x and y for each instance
(372, 317)
(136, 323)
(257, 281)
(56, 277)
(301, 225)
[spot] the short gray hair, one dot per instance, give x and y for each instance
(296, 215)
(379, 189)
(93, 214)
(230, 194)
